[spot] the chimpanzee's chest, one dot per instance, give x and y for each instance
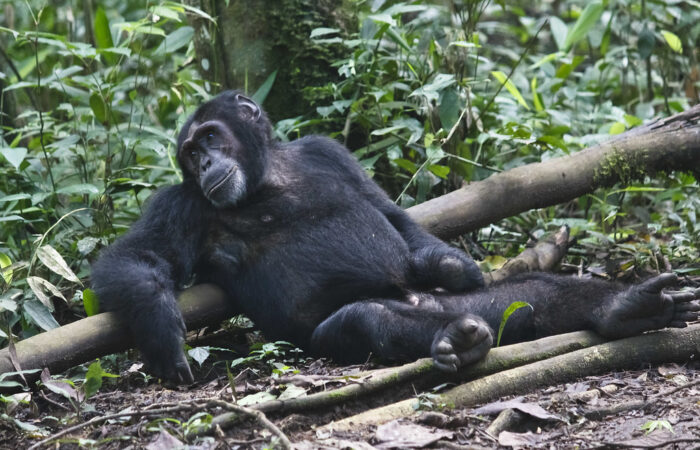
(240, 236)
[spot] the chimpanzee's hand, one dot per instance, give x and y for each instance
(161, 345)
(647, 307)
(442, 266)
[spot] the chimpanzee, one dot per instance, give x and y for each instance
(314, 252)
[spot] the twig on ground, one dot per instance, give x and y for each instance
(599, 413)
(637, 444)
(183, 406)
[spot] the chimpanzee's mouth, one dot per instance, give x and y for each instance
(223, 180)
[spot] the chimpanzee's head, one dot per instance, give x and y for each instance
(223, 146)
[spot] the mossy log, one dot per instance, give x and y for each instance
(661, 146)
(669, 345)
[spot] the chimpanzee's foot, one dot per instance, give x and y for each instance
(647, 307)
(462, 342)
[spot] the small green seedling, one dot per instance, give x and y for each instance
(652, 425)
(506, 314)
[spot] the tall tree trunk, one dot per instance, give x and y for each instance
(252, 40)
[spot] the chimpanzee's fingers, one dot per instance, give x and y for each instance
(677, 324)
(689, 306)
(657, 283)
(681, 296)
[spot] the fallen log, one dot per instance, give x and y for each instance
(669, 345)
(668, 144)
(102, 334)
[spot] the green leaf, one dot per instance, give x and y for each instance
(440, 171)
(396, 37)
(5, 261)
(85, 188)
(449, 108)
(13, 197)
(383, 18)
(506, 315)
(673, 41)
(175, 41)
(652, 425)
(191, 9)
(559, 31)
(406, 165)
(12, 218)
(583, 25)
(14, 156)
(98, 106)
(168, 13)
(617, 128)
(103, 36)
(546, 59)
(93, 379)
(264, 89)
(633, 121)
(535, 96)
(40, 315)
(501, 77)
(646, 43)
(91, 303)
(605, 42)
(55, 262)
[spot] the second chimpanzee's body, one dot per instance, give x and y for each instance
(314, 252)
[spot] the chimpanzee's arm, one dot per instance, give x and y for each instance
(433, 262)
(139, 275)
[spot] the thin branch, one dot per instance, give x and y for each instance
(197, 404)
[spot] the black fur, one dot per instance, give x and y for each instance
(314, 252)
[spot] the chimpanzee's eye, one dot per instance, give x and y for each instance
(194, 154)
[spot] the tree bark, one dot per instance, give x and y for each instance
(252, 40)
(664, 145)
(102, 334)
(670, 345)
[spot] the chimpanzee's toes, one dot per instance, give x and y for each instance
(686, 307)
(462, 342)
(655, 284)
(648, 306)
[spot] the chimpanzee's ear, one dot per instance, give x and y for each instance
(248, 108)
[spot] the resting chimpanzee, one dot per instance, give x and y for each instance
(314, 252)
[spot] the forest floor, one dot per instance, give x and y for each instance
(574, 415)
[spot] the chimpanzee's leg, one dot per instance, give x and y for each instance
(396, 330)
(560, 304)
(457, 330)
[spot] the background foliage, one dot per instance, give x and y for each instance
(428, 95)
